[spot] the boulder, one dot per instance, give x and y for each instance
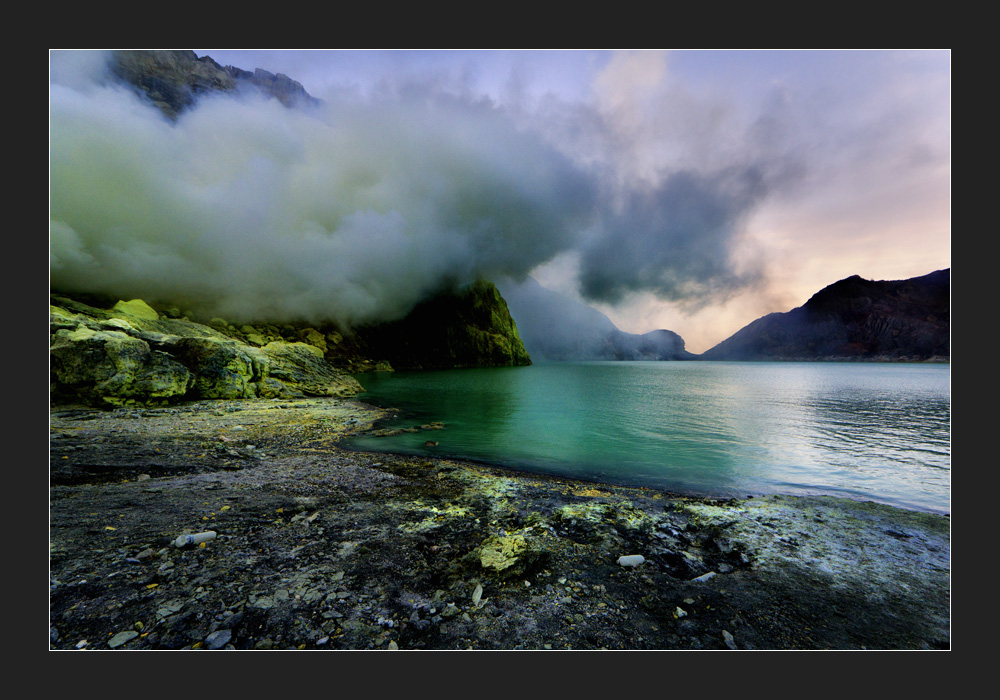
(303, 368)
(631, 560)
(223, 369)
(136, 307)
(313, 337)
(511, 555)
(112, 367)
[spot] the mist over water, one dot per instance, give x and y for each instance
(871, 432)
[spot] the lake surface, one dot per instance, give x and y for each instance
(869, 431)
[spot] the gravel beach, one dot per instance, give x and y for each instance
(319, 548)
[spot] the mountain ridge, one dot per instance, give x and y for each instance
(854, 319)
(174, 80)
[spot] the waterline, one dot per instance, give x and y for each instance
(870, 431)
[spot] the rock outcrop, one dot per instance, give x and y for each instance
(854, 319)
(173, 80)
(130, 354)
(470, 327)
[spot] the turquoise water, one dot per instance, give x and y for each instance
(871, 431)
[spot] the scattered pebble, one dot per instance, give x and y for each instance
(730, 642)
(631, 560)
(122, 638)
(218, 639)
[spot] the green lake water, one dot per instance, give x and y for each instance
(870, 431)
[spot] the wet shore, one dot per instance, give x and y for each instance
(319, 548)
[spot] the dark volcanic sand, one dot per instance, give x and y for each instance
(321, 548)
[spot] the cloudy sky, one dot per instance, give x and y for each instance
(689, 190)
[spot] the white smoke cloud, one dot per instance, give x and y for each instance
(358, 210)
(353, 212)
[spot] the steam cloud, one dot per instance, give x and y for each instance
(355, 211)
(679, 237)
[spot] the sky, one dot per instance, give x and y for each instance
(689, 190)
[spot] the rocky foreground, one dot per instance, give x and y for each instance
(320, 548)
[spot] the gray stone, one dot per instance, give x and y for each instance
(631, 560)
(730, 642)
(218, 639)
(122, 638)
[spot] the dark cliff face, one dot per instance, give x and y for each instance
(470, 327)
(854, 319)
(173, 80)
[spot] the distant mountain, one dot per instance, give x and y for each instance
(555, 327)
(854, 319)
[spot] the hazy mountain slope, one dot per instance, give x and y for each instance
(555, 327)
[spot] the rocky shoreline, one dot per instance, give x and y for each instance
(320, 548)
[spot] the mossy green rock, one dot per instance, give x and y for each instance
(512, 555)
(136, 307)
(114, 368)
(130, 354)
(471, 327)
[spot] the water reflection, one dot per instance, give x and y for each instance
(872, 431)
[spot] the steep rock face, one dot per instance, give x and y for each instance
(555, 327)
(173, 80)
(854, 319)
(131, 355)
(469, 328)
(289, 92)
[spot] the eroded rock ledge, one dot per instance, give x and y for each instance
(131, 355)
(127, 353)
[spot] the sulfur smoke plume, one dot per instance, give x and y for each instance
(356, 210)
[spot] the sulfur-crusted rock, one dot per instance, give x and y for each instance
(511, 555)
(223, 369)
(130, 354)
(136, 307)
(112, 367)
(313, 337)
(303, 368)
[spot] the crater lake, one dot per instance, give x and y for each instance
(868, 431)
